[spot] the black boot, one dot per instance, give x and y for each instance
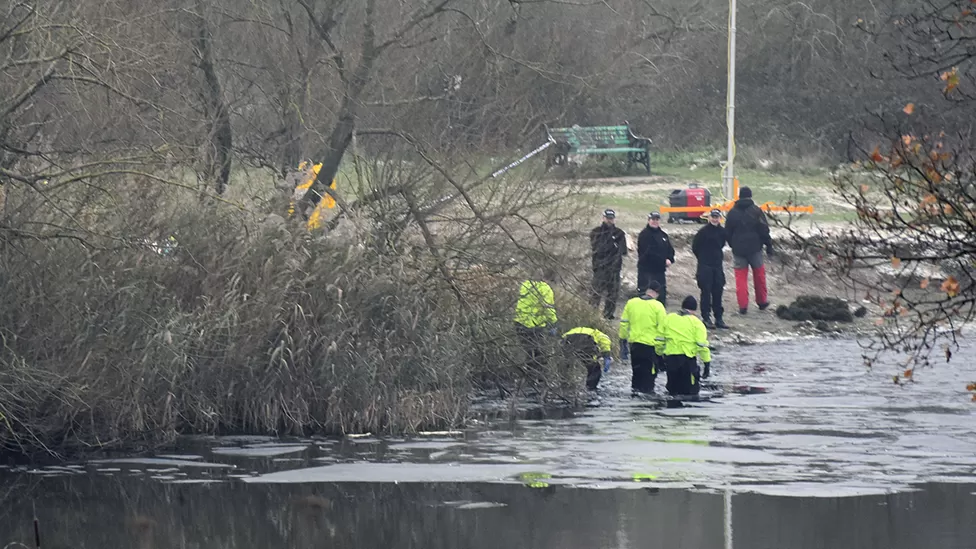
(720, 324)
(708, 322)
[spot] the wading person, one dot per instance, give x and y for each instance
(608, 245)
(747, 231)
(685, 340)
(654, 255)
(710, 274)
(590, 348)
(640, 328)
(535, 315)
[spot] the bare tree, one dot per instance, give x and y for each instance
(220, 144)
(912, 249)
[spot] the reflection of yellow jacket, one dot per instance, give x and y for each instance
(686, 335)
(536, 307)
(327, 202)
(641, 321)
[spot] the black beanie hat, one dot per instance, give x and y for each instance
(690, 303)
(745, 192)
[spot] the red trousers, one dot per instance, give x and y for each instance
(742, 266)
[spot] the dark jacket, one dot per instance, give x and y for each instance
(608, 245)
(653, 248)
(707, 245)
(746, 228)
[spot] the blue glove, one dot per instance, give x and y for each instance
(606, 364)
(552, 331)
(624, 350)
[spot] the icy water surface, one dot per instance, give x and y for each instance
(832, 455)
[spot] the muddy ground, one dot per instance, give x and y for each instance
(787, 279)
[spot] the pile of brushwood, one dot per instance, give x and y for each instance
(817, 308)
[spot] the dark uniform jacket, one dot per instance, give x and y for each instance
(708, 244)
(747, 229)
(608, 245)
(653, 248)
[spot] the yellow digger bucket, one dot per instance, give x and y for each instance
(327, 202)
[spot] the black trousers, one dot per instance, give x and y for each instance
(533, 341)
(711, 282)
(593, 374)
(645, 276)
(646, 364)
(684, 375)
(579, 350)
(606, 284)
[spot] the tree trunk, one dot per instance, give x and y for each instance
(221, 142)
(293, 100)
(342, 133)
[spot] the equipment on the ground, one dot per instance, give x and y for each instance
(696, 203)
(765, 206)
(598, 140)
(730, 184)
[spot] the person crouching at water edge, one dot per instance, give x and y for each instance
(685, 340)
(586, 347)
(640, 328)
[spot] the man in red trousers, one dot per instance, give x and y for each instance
(748, 232)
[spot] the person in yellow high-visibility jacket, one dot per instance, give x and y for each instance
(640, 328)
(586, 347)
(685, 340)
(535, 315)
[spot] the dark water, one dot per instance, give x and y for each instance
(85, 512)
(833, 455)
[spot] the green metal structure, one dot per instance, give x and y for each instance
(598, 140)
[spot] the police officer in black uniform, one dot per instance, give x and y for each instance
(707, 247)
(608, 245)
(654, 255)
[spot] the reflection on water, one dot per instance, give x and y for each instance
(95, 512)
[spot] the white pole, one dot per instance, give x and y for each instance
(728, 519)
(729, 175)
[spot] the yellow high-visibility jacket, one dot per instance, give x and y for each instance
(536, 306)
(601, 339)
(641, 321)
(685, 334)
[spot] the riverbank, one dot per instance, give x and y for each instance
(249, 325)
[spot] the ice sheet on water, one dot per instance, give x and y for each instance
(261, 451)
(162, 462)
(396, 472)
